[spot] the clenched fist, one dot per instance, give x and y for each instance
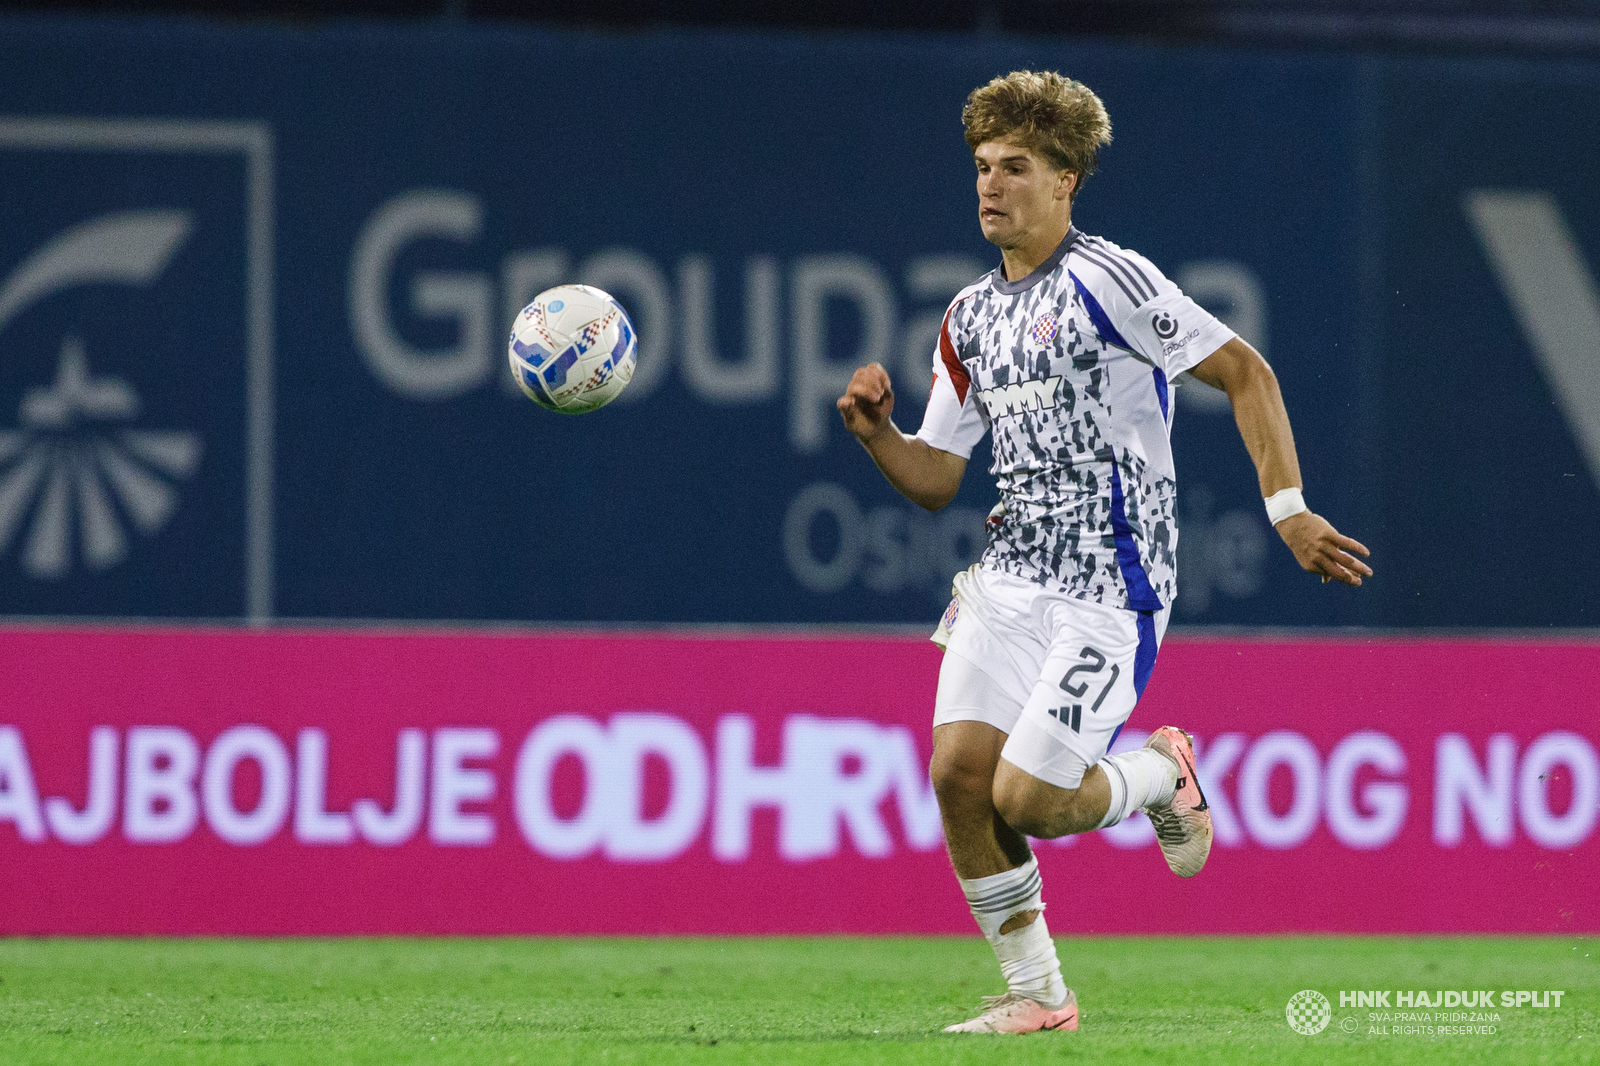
(868, 402)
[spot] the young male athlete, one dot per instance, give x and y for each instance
(1065, 354)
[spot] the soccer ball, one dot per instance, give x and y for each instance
(572, 349)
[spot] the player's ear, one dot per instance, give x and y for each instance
(1066, 184)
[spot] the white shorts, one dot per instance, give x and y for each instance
(1057, 674)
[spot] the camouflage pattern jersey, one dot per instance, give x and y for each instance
(1070, 369)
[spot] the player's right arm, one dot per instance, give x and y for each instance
(920, 472)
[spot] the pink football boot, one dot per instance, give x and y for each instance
(1012, 1013)
(1183, 824)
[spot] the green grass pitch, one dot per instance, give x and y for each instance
(822, 1000)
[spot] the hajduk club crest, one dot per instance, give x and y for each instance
(1045, 330)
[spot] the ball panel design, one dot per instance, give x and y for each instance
(572, 349)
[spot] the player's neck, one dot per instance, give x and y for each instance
(1027, 255)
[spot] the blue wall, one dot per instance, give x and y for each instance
(790, 205)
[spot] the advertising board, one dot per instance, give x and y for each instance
(368, 781)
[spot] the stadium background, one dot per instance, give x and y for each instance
(300, 593)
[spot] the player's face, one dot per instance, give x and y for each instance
(1019, 192)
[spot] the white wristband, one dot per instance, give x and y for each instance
(1285, 503)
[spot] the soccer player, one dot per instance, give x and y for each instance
(1065, 354)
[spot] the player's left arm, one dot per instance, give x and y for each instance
(1240, 371)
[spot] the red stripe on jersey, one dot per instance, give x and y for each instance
(947, 351)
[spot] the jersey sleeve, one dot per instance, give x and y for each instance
(1135, 307)
(954, 420)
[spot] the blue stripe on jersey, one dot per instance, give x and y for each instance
(1144, 663)
(1109, 334)
(1141, 597)
(1097, 315)
(1144, 660)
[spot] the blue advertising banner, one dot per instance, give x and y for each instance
(255, 285)
(1490, 395)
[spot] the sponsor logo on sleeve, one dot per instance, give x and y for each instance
(1166, 329)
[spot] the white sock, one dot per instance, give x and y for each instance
(1028, 961)
(1027, 955)
(1139, 778)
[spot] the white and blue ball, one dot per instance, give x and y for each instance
(573, 349)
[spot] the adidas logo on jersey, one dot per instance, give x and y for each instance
(1021, 396)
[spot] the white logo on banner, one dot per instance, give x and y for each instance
(828, 788)
(73, 443)
(677, 312)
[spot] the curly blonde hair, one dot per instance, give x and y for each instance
(1060, 119)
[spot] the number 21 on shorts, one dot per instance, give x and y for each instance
(1093, 663)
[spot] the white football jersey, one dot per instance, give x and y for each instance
(1069, 369)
